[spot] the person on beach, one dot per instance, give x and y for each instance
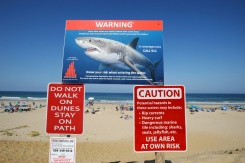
(16, 108)
(11, 110)
(29, 108)
(33, 106)
(2, 104)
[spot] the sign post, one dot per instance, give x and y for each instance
(160, 157)
(160, 122)
(65, 109)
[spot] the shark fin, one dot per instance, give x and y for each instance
(155, 64)
(133, 43)
(152, 69)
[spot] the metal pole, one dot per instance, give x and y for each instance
(159, 157)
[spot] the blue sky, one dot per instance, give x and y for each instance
(204, 41)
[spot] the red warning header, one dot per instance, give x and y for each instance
(114, 25)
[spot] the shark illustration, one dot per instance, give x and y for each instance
(116, 55)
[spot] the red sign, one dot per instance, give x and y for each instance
(65, 108)
(114, 25)
(160, 122)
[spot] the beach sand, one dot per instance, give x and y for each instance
(212, 137)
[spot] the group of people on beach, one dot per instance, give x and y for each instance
(239, 108)
(124, 107)
(19, 107)
(126, 117)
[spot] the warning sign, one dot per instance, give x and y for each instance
(62, 150)
(65, 107)
(160, 122)
(113, 52)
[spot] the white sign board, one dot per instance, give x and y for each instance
(62, 150)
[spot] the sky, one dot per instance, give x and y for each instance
(204, 41)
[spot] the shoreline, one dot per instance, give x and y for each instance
(129, 102)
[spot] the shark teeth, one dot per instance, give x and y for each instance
(91, 49)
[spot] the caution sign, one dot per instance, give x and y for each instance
(160, 121)
(65, 108)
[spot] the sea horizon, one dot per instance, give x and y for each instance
(126, 92)
(110, 97)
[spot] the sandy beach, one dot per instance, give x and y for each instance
(212, 137)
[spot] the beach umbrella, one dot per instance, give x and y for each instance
(195, 107)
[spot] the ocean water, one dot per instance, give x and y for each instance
(197, 98)
(201, 98)
(22, 95)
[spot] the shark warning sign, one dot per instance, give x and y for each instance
(113, 52)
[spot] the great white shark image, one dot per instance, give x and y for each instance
(118, 56)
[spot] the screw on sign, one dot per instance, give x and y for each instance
(160, 122)
(65, 108)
